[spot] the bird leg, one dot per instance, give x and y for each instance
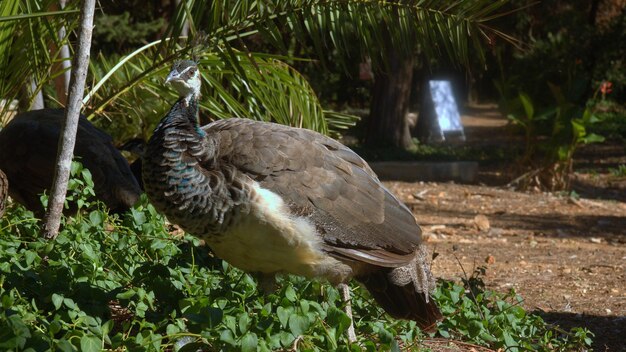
(345, 296)
(266, 283)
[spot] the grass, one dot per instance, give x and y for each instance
(130, 284)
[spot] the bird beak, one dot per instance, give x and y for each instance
(172, 76)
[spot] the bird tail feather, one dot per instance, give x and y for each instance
(404, 292)
(403, 302)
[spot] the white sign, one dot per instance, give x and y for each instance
(447, 112)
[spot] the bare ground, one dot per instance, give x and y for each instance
(566, 257)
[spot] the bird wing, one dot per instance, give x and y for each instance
(325, 181)
(32, 138)
(25, 155)
(114, 181)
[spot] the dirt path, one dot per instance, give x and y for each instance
(566, 257)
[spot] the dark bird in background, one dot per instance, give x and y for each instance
(4, 190)
(274, 199)
(28, 147)
(135, 147)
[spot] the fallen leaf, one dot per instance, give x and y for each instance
(481, 222)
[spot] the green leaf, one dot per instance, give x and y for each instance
(286, 338)
(230, 323)
(139, 217)
(394, 346)
(510, 342)
(75, 168)
(90, 321)
(528, 105)
(141, 309)
(474, 328)
(86, 175)
(90, 343)
(579, 128)
(455, 296)
(57, 300)
(69, 303)
(127, 294)
(64, 346)
(290, 294)
(304, 305)
(593, 138)
(563, 152)
(298, 324)
(95, 217)
(30, 257)
(485, 335)
(283, 315)
(244, 322)
(337, 318)
(54, 327)
(18, 331)
(249, 342)
(88, 252)
(267, 309)
(227, 336)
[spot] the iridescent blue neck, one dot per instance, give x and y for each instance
(182, 115)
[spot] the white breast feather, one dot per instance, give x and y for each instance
(272, 240)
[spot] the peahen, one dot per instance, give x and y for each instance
(271, 199)
(28, 146)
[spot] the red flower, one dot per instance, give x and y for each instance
(606, 87)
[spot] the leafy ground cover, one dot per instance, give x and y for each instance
(136, 283)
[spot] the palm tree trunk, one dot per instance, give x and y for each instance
(185, 30)
(388, 124)
(70, 124)
(29, 100)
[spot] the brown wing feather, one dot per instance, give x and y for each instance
(319, 177)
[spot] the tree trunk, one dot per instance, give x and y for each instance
(70, 124)
(388, 125)
(62, 83)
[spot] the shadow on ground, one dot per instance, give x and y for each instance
(555, 224)
(610, 331)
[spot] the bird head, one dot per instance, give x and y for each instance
(185, 77)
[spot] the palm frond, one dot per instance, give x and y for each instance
(437, 27)
(237, 84)
(29, 44)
